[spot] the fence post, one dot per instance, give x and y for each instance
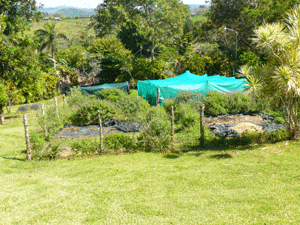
(64, 97)
(43, 110)
(56, 106)
(100, 124)
(27, 137)
(157, 96)
(43, 114)
(201, 125)
(172, 127)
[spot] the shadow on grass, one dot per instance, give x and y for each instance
(221, 156)
(14, 158)
(12, 117)
(171, 156)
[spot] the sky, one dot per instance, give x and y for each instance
(93, 3)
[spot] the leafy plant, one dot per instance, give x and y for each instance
(86, 114)
(215, 103)
(117, 141)
(111, 94)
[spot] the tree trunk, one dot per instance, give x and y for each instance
(53, 57)
(2, 119)
(152, 51)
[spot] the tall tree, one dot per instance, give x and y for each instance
(17, 12)
(161, 21)
(47, 38)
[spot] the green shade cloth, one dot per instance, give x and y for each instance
(92, 90)
(171, 87)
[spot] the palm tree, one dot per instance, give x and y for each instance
(48, 37)
(280, 77)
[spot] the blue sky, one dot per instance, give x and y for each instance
(93, 3)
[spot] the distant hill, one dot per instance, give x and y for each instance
(68, 11)
(192, 6)
(72, 12)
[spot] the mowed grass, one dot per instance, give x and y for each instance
(70, 27)
(260, 185)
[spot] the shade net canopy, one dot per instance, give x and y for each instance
(188, 82)
(93, 89)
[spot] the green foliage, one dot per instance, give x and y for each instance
(249, 58)
(195, 64)
(185, 116)
(114, 57)
(188, 97)
(77, 98)
(156, 135)
(74, 56)
(235, 103)
(113, 95)
(119, 141)
(215, 103)
(240, 103)
(86, 114)
(133, 107)
(134, 93)
(85, 147)
(50, 123)
(3, 97)
(49, 85)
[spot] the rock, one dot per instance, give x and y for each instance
(23, 108)
(36, 106)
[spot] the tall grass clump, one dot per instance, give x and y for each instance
(156, 133)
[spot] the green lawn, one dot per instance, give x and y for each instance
(260, 185)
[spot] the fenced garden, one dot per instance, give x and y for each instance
(130, 124)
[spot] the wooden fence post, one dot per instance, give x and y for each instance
(172, 127)
(158, 97)
(201, 125)
(43, 110)
(64, 97)
(27, 137)
(56, 106)
(100, 124)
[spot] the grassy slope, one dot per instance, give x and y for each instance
(259, 185)
(70, 27)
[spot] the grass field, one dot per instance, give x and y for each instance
(70, 27)
(259, 185)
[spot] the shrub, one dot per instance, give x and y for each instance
(87, 113)
(111, 94)
(37, 141)
(133, 108)
(77, 98)
(134, 93)
(116, 141)
(156, 135)
(241, 103)
(185, 116)
(85, 147)
(50, 123)
(215, 103)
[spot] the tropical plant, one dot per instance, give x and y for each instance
(280, 77)
(47, 38)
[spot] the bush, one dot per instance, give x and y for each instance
(235, 103)
(38, 143)
(185, 116)
(241, 103)
(134, 93)
(51, 123)
(77, 98)
(133, 107)
(117, 141)
(215, 103)
(87, 113)
(85, 147)
(111, 94)
(156, 135)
